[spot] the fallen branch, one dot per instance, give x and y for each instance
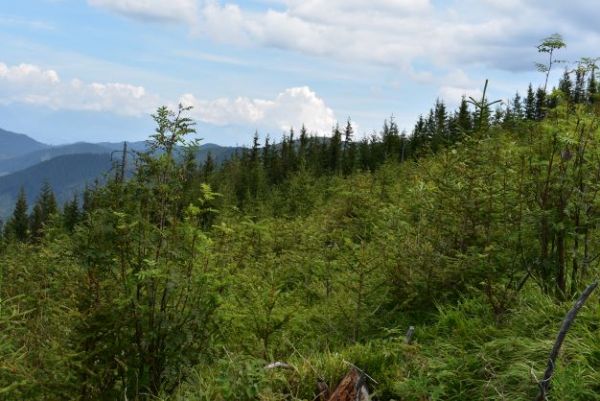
(544, 384)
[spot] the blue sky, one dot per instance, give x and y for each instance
(94, 70)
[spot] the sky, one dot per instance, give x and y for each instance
(96, 70)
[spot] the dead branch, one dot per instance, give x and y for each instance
(544, 384)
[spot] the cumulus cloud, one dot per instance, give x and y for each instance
(152, 10)
(291, 108)
(401, 32)
(397, 33)
(28, 74)
(31, 84)
(26, 83)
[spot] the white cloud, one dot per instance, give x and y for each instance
(26, 83)
(452, 95)
(152, 10)
(456, 84)
(31, 84)
(400, 33)
(28, 74)
(397, 33)
(291, 108)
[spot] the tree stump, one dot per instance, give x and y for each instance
(351, 388)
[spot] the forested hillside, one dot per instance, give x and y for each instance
(186, 280)
(29, 159)
(13, 145)
(68, 174)
(70, 168)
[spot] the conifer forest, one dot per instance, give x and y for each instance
(453, 261)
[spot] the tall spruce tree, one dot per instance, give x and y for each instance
(464, 116)
(390, 140)
(44, 208)
(579, 91)
(17, 226)
(418, 137)
(565, 85)
(71, 214)
(36, 222)
(303, 147)
(208, 167)
(430, 128)
(267, 153)
(335, 151)
(517, 107)
(255, 148)
(530, 104)
(441, 124)
(349, 151)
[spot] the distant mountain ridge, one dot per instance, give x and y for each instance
(67, 175)
(13, 144)
(138, 146)
(21, 162)
(27, 163)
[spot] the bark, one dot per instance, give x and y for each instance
(544, 384)
(352, 388)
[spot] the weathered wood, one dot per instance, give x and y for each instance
(409, 335)
(544, 384)
(352, 388)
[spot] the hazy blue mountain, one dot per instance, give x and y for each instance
(13, 144)
(27, 163)
(27, 160)
(138, 146)
(67, 174)
(219, 153)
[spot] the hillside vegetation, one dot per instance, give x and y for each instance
(183, 282)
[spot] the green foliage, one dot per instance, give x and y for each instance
(148, 269)
(71, 214)
(549, 45)
(37, 313)
(185, 281)
(43, 210)
(461, 356)
(17, 226)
